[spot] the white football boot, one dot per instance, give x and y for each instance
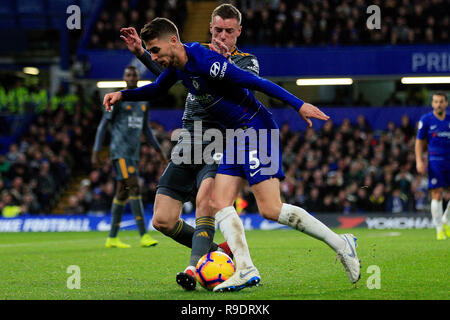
(349, 259)
(241, 279)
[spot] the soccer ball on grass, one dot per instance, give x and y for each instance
(214, 268)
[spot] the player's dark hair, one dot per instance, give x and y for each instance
(227, 11)
(442, 94)
(134, 68)
(158, 28)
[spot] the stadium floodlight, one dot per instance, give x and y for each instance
(111, 84)
(119, 84)
(143, 83)
(31, 70)
(324, 82)
(424, 80)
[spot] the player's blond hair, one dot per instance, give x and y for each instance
(227, 11)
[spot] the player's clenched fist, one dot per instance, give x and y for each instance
(308, 111)
(110, 99)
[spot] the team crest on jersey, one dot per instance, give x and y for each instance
(144, 107)
(128, 107)
(131, 169)
(195, 84)
(254, 66)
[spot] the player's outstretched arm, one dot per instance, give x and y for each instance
(134, 44)
(308, 111)
(253, 82)
(162, 84)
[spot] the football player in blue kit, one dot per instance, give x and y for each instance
(183, 181)
(434, 133)
(225, 92)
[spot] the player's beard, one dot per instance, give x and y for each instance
(440, 112)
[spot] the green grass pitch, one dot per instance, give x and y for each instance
(412, 265)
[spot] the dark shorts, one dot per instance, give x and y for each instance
(125, 168)
(182, 181)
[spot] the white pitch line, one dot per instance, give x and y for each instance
(383, 234)
(26, 244)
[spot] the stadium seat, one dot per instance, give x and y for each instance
(7, 22)
(33, 22)
(35, 7)
(59, 7)
(7, 7)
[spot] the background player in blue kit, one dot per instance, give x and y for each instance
(434, 134)
(126, 122)
(225, 93)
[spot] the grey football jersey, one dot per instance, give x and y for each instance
(127, 121)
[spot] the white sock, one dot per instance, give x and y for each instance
(301, 220)
(436, 213)
(233, 231)
(446, 212)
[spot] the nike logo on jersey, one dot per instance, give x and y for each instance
(253, 173)
(433, 127)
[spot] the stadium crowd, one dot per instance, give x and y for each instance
(294, 23)
(117, 14)
(330, 22)
(37, 168)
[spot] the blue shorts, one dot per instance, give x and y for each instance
(438, 174)
(253, 151)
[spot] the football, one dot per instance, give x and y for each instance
(214, 268)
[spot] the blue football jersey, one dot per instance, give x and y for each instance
(437, 134)
(223, 89)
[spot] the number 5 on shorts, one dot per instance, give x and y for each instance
(253, 158)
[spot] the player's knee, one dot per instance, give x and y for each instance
(216, 205)
(122, 194)
(203, 207)
(134, 190)
(436, 194)
(269, 211)
(159, 225)
(162, 224)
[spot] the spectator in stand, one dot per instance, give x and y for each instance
(343, 22)
(117, 14)
(397, 202)
(377, 200)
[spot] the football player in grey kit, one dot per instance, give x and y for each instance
(126, 121)
(181, 181)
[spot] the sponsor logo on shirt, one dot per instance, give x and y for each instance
(214, 70)
(135, 122)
